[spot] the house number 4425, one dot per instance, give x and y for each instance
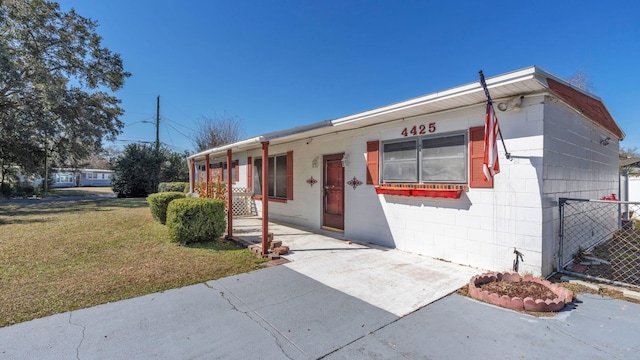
(419, 130)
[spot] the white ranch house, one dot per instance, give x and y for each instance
(408, 175)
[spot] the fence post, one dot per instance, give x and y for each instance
(561, 202)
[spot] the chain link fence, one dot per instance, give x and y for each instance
(600, 239)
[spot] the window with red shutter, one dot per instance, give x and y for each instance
(476, 157)
(373, 158)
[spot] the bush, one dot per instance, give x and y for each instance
(24, 189)
(173, 186)
(5, 190)
(159, 202)
(195, 219)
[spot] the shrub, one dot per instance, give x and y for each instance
(195, 219)
(5, 190)
(159, 202)
(24, 189)
(173, 186)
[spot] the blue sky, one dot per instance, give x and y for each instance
(279, 64)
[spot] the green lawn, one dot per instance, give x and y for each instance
(61, 256)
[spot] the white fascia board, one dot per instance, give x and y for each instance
(475, 87)
(287, 134)
(298, 131)
(223, 149)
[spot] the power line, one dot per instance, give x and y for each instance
(179, 132)
(177, 123)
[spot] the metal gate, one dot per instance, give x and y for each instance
(599, 240)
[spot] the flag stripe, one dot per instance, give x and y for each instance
(490, 165)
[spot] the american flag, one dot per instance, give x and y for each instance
(490, 164)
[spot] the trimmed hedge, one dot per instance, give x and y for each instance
(196, 219)
(159, 202)
(173, 186)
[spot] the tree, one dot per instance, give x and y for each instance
(581, 80)
(54, 81)
(217, 131)
(139, 169)
(135, 172)
(174, 167)
(629, 152)
(101, 159)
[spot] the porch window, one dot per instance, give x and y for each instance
(277, 176)
(234, 171)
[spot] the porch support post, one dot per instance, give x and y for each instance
(207, 176)
(192, 176)
(265, 197)
(229, 196)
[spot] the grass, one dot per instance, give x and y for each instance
(62, 256)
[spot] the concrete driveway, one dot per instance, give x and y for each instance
(393, 280)
(333, 300)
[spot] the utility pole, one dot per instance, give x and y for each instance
(158, 165)
(158, 126)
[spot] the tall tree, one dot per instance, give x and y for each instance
(56, 85)
(217, 131)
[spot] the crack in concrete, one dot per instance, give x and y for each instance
(558, 330)
(83, 336)
(246, 313)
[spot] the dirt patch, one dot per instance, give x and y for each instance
(521, 289)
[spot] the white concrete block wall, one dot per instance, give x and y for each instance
(575, 165)
(483, 227)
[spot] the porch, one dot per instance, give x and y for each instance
(396, 281)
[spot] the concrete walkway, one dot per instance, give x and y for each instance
(333, 300)
(393, 280)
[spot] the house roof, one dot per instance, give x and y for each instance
(629, 161)
(528, 81)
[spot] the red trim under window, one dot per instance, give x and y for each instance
(434, 193)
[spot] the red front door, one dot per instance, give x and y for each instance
(333, 182)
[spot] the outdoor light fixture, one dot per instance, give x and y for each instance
(314, 162)
(604, 141)
(513, 104)
(345, 160)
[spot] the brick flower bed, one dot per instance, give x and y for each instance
(518, 292)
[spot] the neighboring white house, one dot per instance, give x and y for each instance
(81, 177)
(408, 175)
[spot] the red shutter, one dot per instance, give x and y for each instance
(373, 158)
(476, 157)
(290, 175)
(237, 172)
(249, 174)
(220, 170)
